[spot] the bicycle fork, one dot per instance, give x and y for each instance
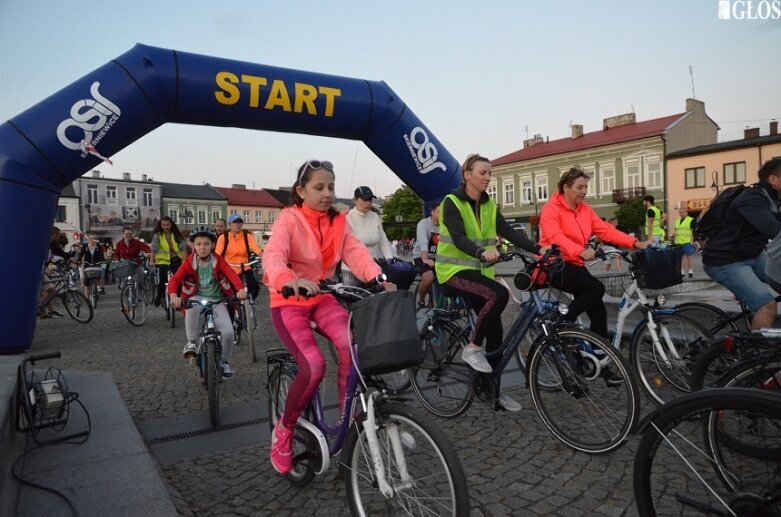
(370, 427)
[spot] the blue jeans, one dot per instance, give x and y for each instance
(746, 279)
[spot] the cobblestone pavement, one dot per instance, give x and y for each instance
(513, 464)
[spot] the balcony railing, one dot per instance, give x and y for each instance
(621, 195)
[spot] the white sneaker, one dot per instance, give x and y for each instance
(190, 350)
(475, 358)
(508, 403)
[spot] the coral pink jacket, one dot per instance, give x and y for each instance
(571, 229)
(293, 251)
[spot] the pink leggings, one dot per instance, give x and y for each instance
(292, 324)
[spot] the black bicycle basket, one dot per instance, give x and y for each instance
(386, 332)
(656, 268)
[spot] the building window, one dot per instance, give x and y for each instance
(215, 216)
(526, 191)
(734, 173)
(607, 179)
(271, 216)
(173, 213)
(201, 216)
(541, 181)
(653, 173)
(111, 195)
(695, 178)
(258, 216)
(591, 171)
(633, 177)
(246, 216)
(92, 194)
(130, 196)
(147, 197)
(509, 193)
(60, 216)
(234, 211)
(491, 191)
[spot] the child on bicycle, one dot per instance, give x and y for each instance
(308, 241)
(206, 275)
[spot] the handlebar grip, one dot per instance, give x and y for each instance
(42, 357)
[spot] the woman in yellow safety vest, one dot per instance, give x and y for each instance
(466, 255)
(683, 236)
(167, 243)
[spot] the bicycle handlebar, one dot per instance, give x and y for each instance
(336, 288)
(189, 303)
(251, 263)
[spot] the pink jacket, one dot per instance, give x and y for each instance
(293, 251)
(571, 229)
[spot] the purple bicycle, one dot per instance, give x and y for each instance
(393, 459)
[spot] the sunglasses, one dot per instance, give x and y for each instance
(315, 165)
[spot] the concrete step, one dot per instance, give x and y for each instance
(112, 473)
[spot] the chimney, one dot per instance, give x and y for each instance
(618, 120)
(773, 127)
(533, 141)
(126, 176)
(143, 177)
(750, 133)
(577, 131)
(96, 174)
(695, 105)
(239, 186)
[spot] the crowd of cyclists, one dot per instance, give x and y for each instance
(455, 246)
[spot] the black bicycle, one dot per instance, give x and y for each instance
(62, 283)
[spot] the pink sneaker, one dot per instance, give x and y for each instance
(282, 448)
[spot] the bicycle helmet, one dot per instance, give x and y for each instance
(203, 231)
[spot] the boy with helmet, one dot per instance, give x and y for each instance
(206, 275)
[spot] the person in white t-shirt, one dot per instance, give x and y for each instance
(425, 250)
(367, 226)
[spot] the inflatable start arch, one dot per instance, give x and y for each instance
(48, 146)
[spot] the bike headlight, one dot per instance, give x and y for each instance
(563, 309)
(204, 302)
(661, 299)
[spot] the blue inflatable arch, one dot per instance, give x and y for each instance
(45, 148)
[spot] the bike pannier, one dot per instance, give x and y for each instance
(656, 268)
(386, 332)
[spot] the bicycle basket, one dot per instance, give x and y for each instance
(656, 268)
(386, 332)
(124, 268)
(93, 272)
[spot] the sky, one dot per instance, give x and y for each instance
(482, 76)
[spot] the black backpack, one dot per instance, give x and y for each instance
(712, 218)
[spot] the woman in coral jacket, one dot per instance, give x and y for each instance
(308, 241)
(569, 223)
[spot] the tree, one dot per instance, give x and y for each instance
(631, 216)
(405, 203)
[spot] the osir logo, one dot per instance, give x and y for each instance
(423, 152)
(89, 115)
(750, 10)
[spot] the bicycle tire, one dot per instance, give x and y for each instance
(599, 383)
(93, 294)
(133, 305)
(546, 382)
(714, 319)
(172, 315)
(77, 306)
(438, 485)
(249, 318)
(213, 373)
(303, 471)
(663, 382)
(444, 387)
(148, 289)
(669, 457)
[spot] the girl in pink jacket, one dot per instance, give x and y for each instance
(308, 241)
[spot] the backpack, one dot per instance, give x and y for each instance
(246, 243)
(712, 218)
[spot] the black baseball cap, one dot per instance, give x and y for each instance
(364, 193)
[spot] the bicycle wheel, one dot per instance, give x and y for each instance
(715, 320)
(171, 315)
(677, 473)
(148, 288)
(436, 484)
(280, 380)
(133, 305)
(93, 294)
(664, 377)
(444, 384)
(213, 374)
(597, 402)
(545, 380)
(77, 306)
(250, 322)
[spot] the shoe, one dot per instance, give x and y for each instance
(509, 404)
(475, 358)
(55, 314)
(227, 371)
(691, 275)
(190, 350)
(611, 377)
(101, 290)
(282, 448)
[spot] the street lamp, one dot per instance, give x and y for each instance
(714, 186)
